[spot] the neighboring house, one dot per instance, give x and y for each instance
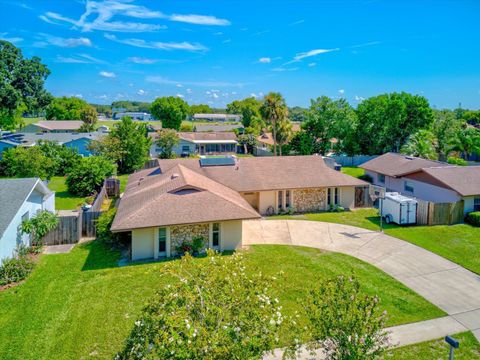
(141, 116)
(53, 126)
(217, 117)
(218, 127)
(202, 143)
(20, 200)
(265, 140)
(78, 141)
(433, 181)
(210, 197)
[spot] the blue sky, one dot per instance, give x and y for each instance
(217, 51)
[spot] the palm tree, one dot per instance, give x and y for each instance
(273, 110)
(466, 142)
(421, 144)
(283, 133)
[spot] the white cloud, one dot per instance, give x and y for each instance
(79, 59)
(218, 33)
(313, 52)
(298, 22)
(199, 19)
(12, 39)
(282, 69)
(179, 95)
(107, 74)
(141, 92)
(341, 92)
(141, 60)
(226, 41)
(101, 16)
(189, 91)
(215, 95)
(371, 43)
(47, 39)
(265, 60)
(179, 85)
(312, 64)
(359, 98)
(157, 44)
(80, 96)
(102, 97)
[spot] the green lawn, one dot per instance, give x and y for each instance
(454, 242)
(81, 305)
(353, 171)
(438, 349)
(63, 199)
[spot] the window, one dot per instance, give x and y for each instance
(162, 240)
(216, 234)
(476, 204)
(336, 197)
(185, 148)
(408, 186)
(25, 216)
(381, 178)
(280, 200)
(329, 196)
(287, 199)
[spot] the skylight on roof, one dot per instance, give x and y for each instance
(218, 161)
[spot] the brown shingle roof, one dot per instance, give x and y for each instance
(465, 180)
(208, 136)
(270, 173)
(393, 164)
(60, 124)
(177, 196)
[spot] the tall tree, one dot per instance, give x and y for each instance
(283, 133)
(167, 140)
(170, 110)
(444, 128)
(200, 109)
(21, 85)
(89, 117)
(127, 145)
(421, 144)
(27, 162)
(466, 141)
(66, 108)
(273, 110)
(249, 108)
(327, 119)
(385, 122)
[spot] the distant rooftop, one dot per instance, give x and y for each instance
(234, 117)
(60, 124)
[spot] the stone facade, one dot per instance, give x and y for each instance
(306, 200)
(180, 233)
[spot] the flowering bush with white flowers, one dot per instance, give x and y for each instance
(214, 310)
(344, 323)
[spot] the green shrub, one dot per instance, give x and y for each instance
(15, 270)
(39, 226)
(336, 208)
(473, 218)
(366, 177)
(456, 161)
(190, 246)
(103, 225)
(197, 244)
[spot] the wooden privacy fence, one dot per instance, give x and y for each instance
(89, 223)
(69, 229)
(429, 213)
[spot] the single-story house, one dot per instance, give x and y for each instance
(21, 199)
(78, 141)
(218, 127)
(135, 115)
(53, 126)
(210, 197)
(265, 140)
(217, 117)
(429, 180)
(201, 143)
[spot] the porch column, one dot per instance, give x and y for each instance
(155, 243)
(169, 243)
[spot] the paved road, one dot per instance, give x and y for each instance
(442, 282)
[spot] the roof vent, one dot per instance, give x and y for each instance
(174, 176)
(409, 157)
(140, 180)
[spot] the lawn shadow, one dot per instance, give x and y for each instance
(376, 220)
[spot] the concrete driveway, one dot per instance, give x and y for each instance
(442, 282)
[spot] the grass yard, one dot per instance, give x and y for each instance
(353, 171)
(63, 199)
(438, 349)
(81, 305)
(454, 242)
